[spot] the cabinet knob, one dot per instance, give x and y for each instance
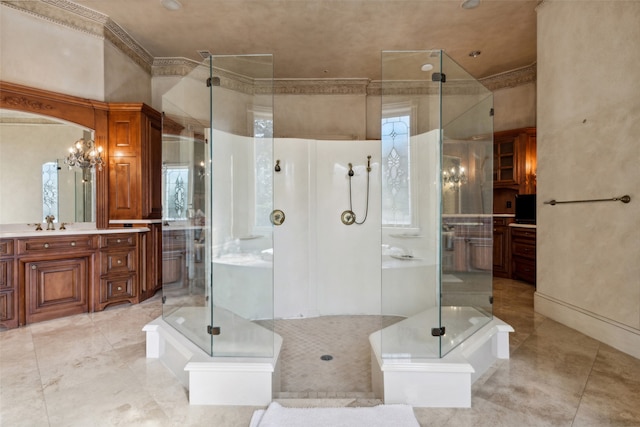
(119, 261)
(33, 267)
(46, 245)
(118, 240)
(119, 288)
(73, 243)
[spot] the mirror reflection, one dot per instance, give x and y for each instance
(34, 180)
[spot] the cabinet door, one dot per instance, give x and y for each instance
(8, 295)
(152, 169)
(56, 288)
(500, 251)
(124, 188)
(504, 161)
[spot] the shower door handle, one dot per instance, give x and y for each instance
(277, 217)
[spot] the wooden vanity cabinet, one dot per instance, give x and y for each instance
(135, 162)
(523, 254)
(55, 274)
(174, 257)
(118, 272)
(501, 247)
(8, 286)
(150, 269)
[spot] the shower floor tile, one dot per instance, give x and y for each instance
(344, 338)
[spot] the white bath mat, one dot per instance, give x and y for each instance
(277, 415)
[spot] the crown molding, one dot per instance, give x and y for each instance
(172, 66)
(513, 78)
(319, 86)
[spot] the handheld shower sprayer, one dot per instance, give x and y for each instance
(349, 217)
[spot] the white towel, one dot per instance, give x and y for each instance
(277, 415)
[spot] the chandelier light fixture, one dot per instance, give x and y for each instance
(85, 155)
(454, 177)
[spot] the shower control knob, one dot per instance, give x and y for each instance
(277, 217)
(348, 217)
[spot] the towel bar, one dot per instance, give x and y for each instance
(624, 199)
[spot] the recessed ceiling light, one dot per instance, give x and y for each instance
(475, 53)
(469, 4)
(427, 67)
(171, 4)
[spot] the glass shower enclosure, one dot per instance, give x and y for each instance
(436, 205)
(437, 142)
(217, 235)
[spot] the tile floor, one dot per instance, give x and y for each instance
(91, 370)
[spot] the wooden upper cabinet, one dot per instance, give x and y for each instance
(135, 162)
(514, 160)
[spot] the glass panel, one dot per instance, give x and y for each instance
(241, 155)
(410, 202)
(467, 192)
(185, 230)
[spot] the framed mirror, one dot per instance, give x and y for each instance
(37, 129)
(35, 181)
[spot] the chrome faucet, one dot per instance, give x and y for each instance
(50, 219)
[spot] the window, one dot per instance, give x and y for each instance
(50, 189)
(396, 171)
(263, 159)
(175, 197)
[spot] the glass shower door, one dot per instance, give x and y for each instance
(218, 198)
(185, 228)
(410, 164)
(467, 205)
(436, 132)
(240, 202)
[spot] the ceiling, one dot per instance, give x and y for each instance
(333, 38)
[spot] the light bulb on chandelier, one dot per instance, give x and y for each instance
(454, 177)
(85, 155)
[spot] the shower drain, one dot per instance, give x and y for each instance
(326, 357)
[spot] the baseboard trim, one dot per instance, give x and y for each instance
(619, 336)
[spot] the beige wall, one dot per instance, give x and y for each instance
(124, 80)
(49, 54)
(588, 126)
(515, 107)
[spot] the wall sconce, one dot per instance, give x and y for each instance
(85, 155)
(454, 177)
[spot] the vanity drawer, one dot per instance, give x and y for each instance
(55, 244)
(118, 261)
(117, 240)
(523, 249)
(6, 247)
(119, 288)
(524, 269)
